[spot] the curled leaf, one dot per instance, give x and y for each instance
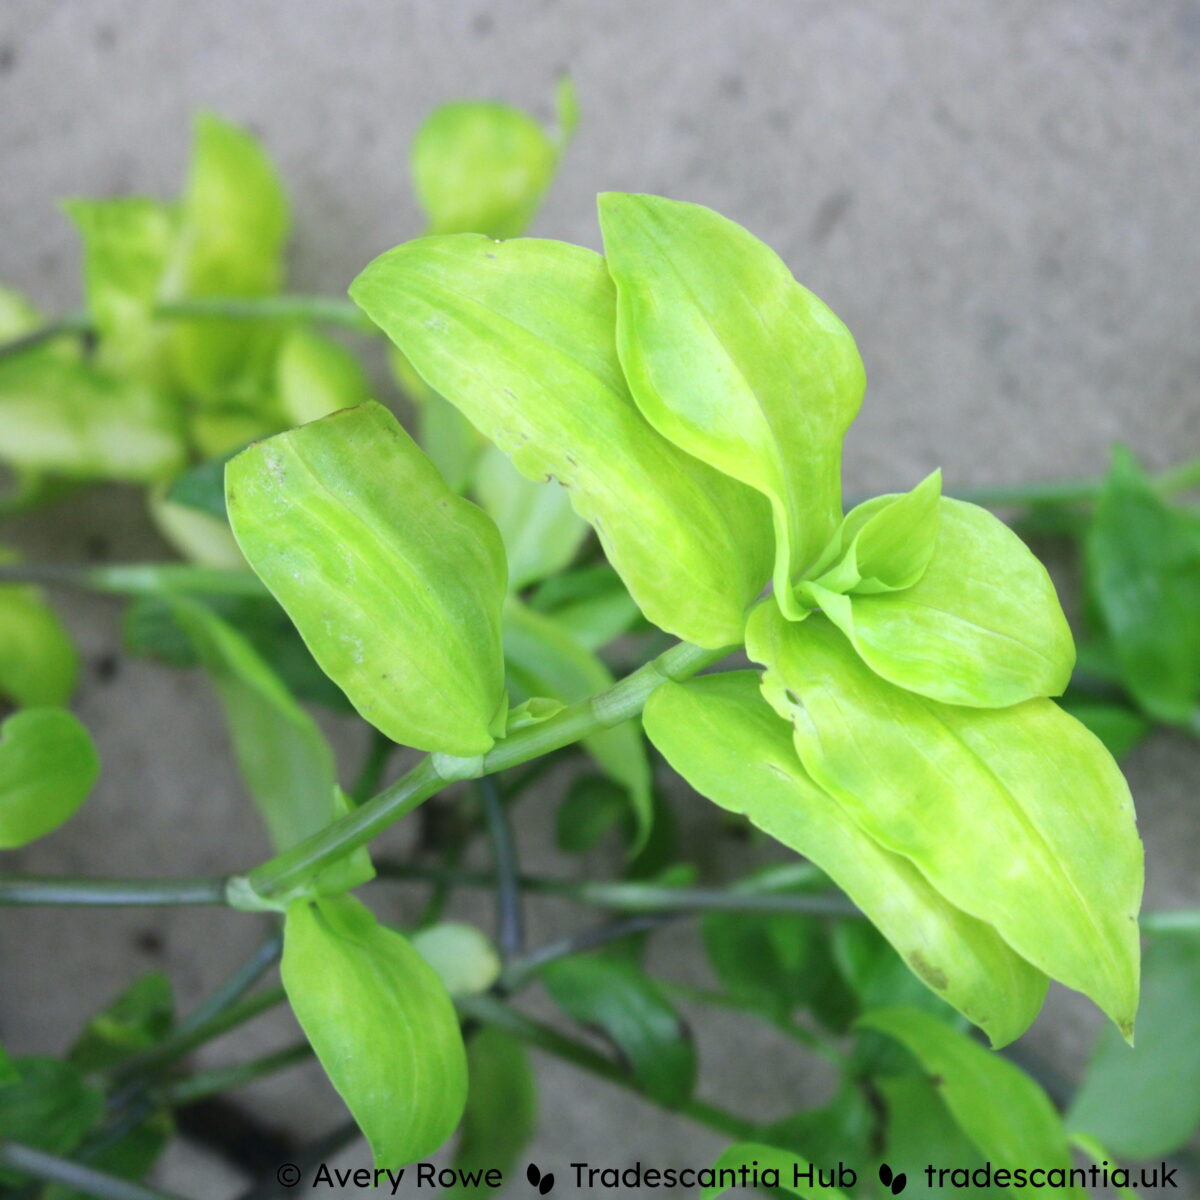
(394, 582)
(981, 626)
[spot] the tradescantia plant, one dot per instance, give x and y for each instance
(691, 397)
(883, 703)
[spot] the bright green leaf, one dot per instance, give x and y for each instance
(49, 1108)
(316, 376)
(1143, 560)
(63, 415)
(545, 660)
(981, 627)
(394, 582)
(47, 768)
(720, 735)
(128, 243)
(615, 997)
(234, 224)
(501, 1111)
(735, 362)
(540, 529)
(381, 1024)
(1018, 816)
(1004, 1113)
(748, 1164)
(884, 545)
(1142, 1102)
(481, 167)
(519, 337)
(465, 960)
(38, 662)
(136, 1020)
(285, 761)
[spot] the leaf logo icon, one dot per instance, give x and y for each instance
(543, 1183)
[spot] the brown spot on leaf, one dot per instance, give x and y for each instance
(934, 976)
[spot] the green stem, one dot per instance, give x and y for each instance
(493, 1012)
(200, 1086)
(293, 868)
(73, 325)
(138, 579)
(324, 310)
(52, 1169)
(1174, 479)
(110, 893)
(1182, 920)
(644, 897)
(182, 1042)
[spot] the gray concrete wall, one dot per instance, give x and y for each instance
(998, 197)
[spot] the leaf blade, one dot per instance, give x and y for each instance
(394, 582)
(1027, 803)
(376, 1013)
(719, 733)
(732, 360)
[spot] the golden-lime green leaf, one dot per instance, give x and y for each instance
(481, 167)
(721, 735)
(394, 582)
(47, 768)
(38, 662)
(1018, 816)
(735, 362)
(519, 336)
(234, 222)
(381, 1023)
(63, 415)
(981, 627)
(316, 376)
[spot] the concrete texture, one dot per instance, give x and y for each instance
(998, 197)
